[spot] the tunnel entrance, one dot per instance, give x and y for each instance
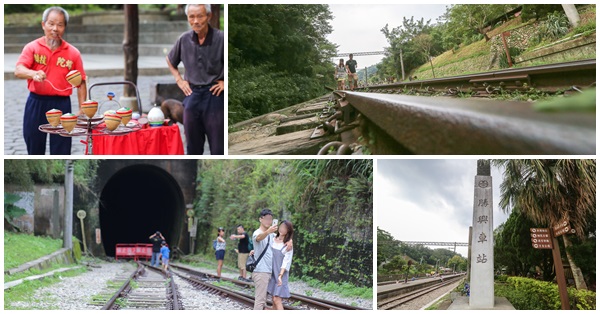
(136, 202)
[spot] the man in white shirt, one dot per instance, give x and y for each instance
(262, 238)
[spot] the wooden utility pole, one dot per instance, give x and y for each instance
(130, 47)
(215, 20)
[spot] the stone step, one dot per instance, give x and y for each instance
(163, 37)
(171, 26)
(106, 49)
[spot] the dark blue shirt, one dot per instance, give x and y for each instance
(204, 64)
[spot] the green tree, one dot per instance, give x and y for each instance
(456, 262)
(466, 19)
(387, 247)
(278, 56)
(513, 250)
(549, 190)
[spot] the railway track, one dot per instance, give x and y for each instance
(147, 288)
(392, 119)
(402, 119)
(395, 301)
(243, 292)
(549, 78)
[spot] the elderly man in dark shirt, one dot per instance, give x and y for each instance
(202, 54)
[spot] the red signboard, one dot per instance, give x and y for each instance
(541, 246)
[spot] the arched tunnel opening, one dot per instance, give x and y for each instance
(138, 201)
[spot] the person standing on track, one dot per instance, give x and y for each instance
(202, 52)
(351, 70)
(340, 75)
(220, 250)
(282, 261)
(243, 250)
(261, 238)
(156, 239)
(45, 61)
(164, 253)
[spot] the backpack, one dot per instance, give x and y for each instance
(250, 245)
(215, 244)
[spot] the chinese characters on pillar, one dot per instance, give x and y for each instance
(482, 237)
(482, 219)
(481, 259)
(483, 202)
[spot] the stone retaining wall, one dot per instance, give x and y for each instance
(62, 256)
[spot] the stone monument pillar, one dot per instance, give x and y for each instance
(482, 240)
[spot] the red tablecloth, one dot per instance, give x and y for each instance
(164, 140)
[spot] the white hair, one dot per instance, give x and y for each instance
(206, 6)
(59, 9)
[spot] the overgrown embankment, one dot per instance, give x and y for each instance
(330, 203)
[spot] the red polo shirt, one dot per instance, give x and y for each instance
(56, 64)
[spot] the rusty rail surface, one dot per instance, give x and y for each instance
(442, 125)
(550, 78)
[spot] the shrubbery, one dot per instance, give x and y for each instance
(531, 294)
(256, 90)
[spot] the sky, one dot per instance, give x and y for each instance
(357, 27)
(430, 199)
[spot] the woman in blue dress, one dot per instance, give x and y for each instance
(282, 260)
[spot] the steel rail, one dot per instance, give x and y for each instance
(404, 298)
(126, 285)
(238, 296)
(443, 125)
(550, 77)
(316, 302)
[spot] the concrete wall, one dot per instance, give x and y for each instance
(183, 173)
(45, 210)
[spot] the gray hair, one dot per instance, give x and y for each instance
(59, 9)
(206, 6)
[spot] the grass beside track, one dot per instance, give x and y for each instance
(21, 248)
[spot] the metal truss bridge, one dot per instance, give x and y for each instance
(436, 243)
(357, 54)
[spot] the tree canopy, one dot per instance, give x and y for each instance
(414, 41)
(278, 56)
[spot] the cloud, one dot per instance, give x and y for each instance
(357, 27)
(429, 199)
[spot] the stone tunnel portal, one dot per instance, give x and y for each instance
(136, 202)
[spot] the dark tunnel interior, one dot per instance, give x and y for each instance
(136, 202)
